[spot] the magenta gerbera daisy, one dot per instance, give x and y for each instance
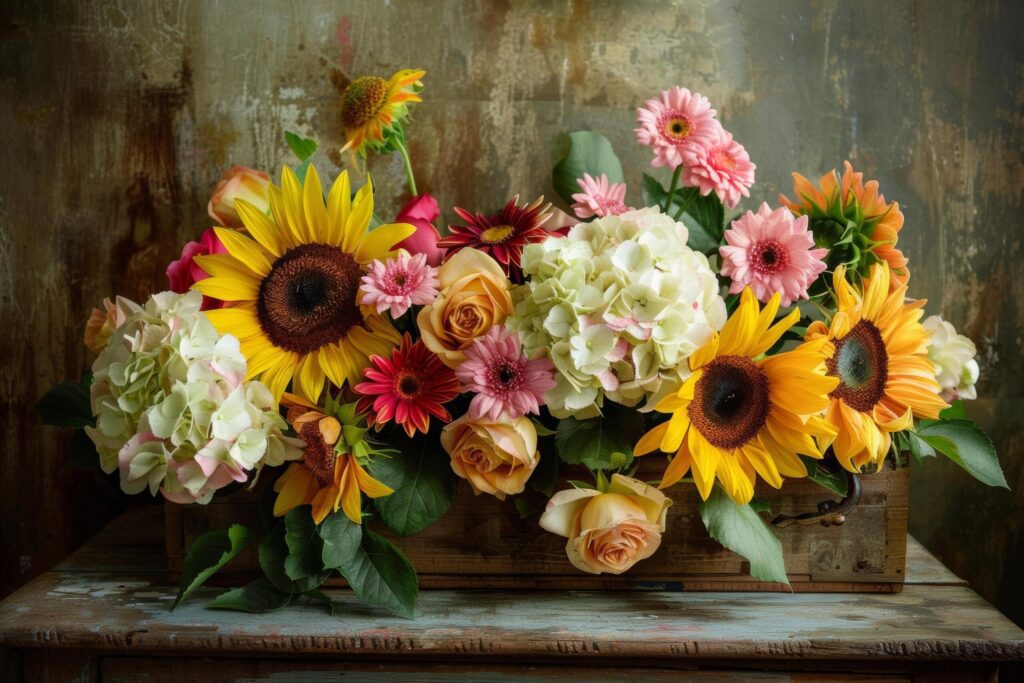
(678, 121)
(398, 283)
(408, 387)
(599, 197)
(722, 166)
(772, 252)
(505, 381)
(502, 235)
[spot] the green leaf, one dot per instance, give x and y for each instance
(545, 475)
(963, 442)
(704, 217)
(304, 148)
(742, 531)
(588, 153)
(66, 405)
(596, 443)
(274, 553)
(341, 537)
(322, 598)
(207, 555)
(954, 411)
(82, 452)
(257, 597)
(380, 574)
(423, 483)
(305, 548)
(918, 447)
(541, 428)
(833, 481)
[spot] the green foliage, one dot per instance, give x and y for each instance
(588, 153)
(604, 442)
(963, 442)
(304, 149)
(380, 574)
(257, 597)
(423, 482)
(740, 529)
(305, 548)
(833, 481)
(66, 405)
(704, 217)
(341, 537)
(82, 452)
(274, 553)
(207, 555)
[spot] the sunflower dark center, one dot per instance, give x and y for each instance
(861, 363)
(317, 456)
(730, 402)
(309, 298)
(362, 100)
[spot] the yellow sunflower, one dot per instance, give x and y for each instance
(881, 360)
(294, 283)
(740, 415)
(371, 106)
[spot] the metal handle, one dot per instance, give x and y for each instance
(830, 512)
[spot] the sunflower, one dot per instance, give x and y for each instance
(294, 282)
(501, 235)
(329, 475)
(740, 415)
(853, 220)
(372, 107)
(881, 360)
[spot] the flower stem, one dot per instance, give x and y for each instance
(408, 168)
(672, 187)
(691, 193)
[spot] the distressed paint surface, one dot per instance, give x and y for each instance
(117, 118)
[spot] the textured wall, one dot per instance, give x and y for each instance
(117, 117)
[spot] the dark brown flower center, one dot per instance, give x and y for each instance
(309, 298)
(730, 402)
(861, 363)
(408, 385)
(317, 456)
(678, 127)
(362, 100)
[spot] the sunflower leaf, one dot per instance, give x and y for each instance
(423, 484)
(380, 574)
(257, 597)
(740, 529)
(207, 555)
(963, 442)
(341, 537)
(305, 548)
(273, 555)
(588, 153)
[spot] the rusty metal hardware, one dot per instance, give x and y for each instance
(830, 512)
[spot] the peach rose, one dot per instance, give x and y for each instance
(609, 531)
(474, 297)
(101, 324)
(238, 182)
(495, 457)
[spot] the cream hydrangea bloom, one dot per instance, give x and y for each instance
(953, 355)
(172, 410)
(618, 305)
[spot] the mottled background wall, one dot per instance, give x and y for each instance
(117, 117)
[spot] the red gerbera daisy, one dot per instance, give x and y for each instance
(502, 235)
(409, 387)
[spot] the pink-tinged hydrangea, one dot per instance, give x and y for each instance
(599, 197)
(504, 379)
(723, 166)
(398, 283)
(772, 252)
(677, 122)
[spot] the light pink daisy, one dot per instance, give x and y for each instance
(678, 121)
(599, 197)
(505, 381)
(398, 283)
(723, 166)
(772, 252)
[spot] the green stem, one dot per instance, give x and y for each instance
(408, 168)
(691, 193)
(672, 187)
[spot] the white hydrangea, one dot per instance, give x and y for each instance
(172, 409)
(618, 305)
(953, 356)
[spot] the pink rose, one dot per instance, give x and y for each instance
(421, 212)
(238, 182)
(184, 272)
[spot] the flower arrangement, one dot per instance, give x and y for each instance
(361, 367)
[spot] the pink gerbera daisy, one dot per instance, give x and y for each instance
(398, 283)
(772, 252)
(678, 121)
(408, 388)
(505, 381)
(599, 197)
(723, 166)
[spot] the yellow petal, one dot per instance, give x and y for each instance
(651, 440)
(705, 461)
(228, 288)
(298, 489)
(339, 206)
(370, 486)
(740, 327)
(245, 249)
(313, 203)
(677, 468)
(260, 227)
(291, 193)
(359, 218)
(381, 241)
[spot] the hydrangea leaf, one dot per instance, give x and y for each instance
(740, 529)
(208, 554)
(423, 484)
(588, 153)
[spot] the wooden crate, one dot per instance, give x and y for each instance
(483, 543)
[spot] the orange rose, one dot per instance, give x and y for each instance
(495, 457)
(101, 324)
(474, 297)
(238, 182)
(608, 531)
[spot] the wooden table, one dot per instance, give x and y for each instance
(103, 615)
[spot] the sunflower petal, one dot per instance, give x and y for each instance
(245, 249)
(380, 242)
